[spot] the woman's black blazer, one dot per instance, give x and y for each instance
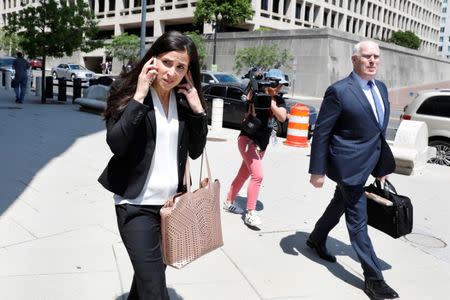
(131, 138)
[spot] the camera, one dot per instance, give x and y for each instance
(257, 84)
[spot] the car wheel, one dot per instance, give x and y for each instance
(442, 152)
(55, 76)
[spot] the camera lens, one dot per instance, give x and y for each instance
(273, 84)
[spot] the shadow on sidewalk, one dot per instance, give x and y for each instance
(295, 244)
(33, 136)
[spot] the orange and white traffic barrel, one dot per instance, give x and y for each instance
(297, 133)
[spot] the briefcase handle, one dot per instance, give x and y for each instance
(388, 187)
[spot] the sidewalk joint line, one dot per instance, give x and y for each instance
(242, 273)
(118, 270)
(24, 228)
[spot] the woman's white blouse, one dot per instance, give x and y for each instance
(162, 178)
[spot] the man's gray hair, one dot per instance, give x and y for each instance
(357, 47)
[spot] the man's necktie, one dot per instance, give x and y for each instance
(378, 105)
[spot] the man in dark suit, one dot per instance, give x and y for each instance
(348, 145)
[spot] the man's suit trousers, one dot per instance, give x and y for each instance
(352, 201)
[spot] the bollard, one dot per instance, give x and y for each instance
(38, 86)
(29, 82)
(93, 82)
(49, 87)
(76, 89)
(62, 89)
(217, 114)
(8, 81)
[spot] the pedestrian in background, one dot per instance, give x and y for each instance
(252, 149)
(348, 145)
(109, 67)
(21, 67)
(155, 117)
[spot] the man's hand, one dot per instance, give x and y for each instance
(317, 180)
(383, 178)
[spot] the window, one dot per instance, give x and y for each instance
(275, 6)
(441, 39)
(234, 93)
(436, 106)
(206, 78)
(265, 4)
(218, 91)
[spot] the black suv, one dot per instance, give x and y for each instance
(234, 107)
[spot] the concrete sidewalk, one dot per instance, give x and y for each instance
(59, 238)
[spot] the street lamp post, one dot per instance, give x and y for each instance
(143, 28)
(215, 25)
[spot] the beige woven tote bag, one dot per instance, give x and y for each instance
(190, 222)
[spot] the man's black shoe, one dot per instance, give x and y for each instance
(378, 289)
(321, 250)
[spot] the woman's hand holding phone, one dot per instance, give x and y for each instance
(188, 89)
(146, 77)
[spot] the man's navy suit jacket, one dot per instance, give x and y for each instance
(348, 143)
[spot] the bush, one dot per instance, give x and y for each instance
(406, 39)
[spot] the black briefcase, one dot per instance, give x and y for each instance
(388, 211)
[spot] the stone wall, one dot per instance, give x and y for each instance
(324, 55)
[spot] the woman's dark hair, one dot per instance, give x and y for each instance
(124, 88)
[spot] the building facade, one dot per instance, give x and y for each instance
(444, 31)
(376, 19)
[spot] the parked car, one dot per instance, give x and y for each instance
(433, 108)
(72, 71)
(234, 107)
(35, 63)
(6, 63)
(217, 77)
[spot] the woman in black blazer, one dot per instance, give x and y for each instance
(155, 117)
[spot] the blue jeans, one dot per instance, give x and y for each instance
(20, 88)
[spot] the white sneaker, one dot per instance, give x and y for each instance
(232, 208)
(252, 219)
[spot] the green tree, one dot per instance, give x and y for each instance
(406, 39)
(125, 47)
(232, 11)
(200, 44)
(9, 42)
(263, 56)
(222, 12)
(55, 28)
